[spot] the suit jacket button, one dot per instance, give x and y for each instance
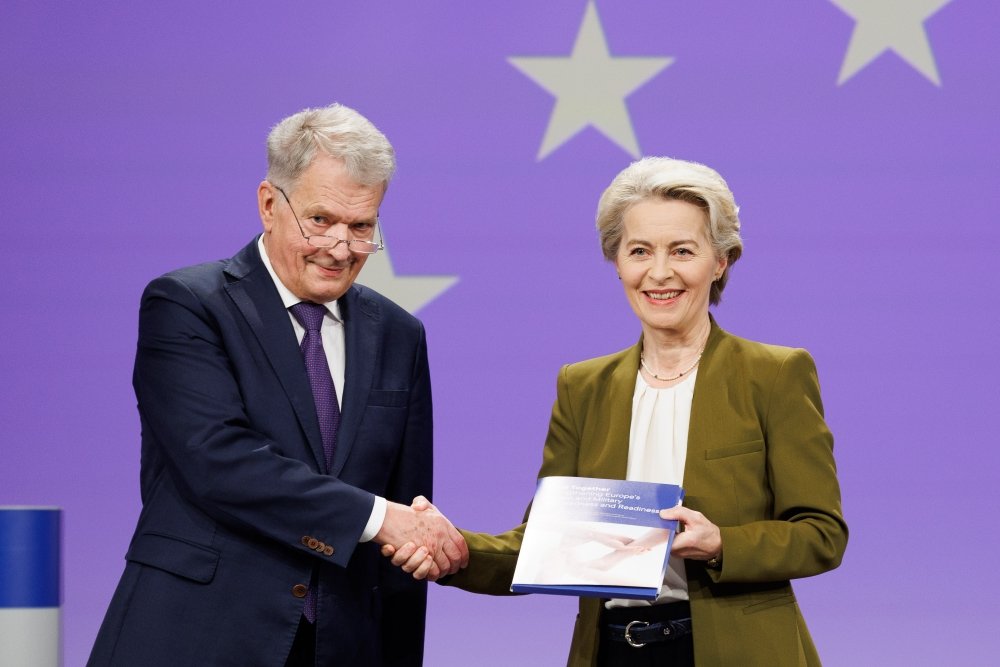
(312, 543)
(319, 547)
(305, 540)
(328, 550)
(300, 590)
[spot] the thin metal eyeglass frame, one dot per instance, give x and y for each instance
(378, 227)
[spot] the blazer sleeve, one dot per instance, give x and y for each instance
(492, 558)
(190, 404)
(805, 533)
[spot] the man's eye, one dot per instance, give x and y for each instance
(319, 221)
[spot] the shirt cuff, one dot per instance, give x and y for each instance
(375, 521)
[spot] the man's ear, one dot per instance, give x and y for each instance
(266, 201)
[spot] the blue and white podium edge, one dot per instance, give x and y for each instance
(30, 586)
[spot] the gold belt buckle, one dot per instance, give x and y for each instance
(628, 634)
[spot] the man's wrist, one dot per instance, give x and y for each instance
(375, 520)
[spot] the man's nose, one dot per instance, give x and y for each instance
(341, 251)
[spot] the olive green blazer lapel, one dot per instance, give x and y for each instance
(707, 410)
(607, 445)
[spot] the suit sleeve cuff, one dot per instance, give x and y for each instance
(375, 520)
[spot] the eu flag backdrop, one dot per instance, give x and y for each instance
(859, 136)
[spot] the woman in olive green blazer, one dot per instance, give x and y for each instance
(759, 465)
(747, 440)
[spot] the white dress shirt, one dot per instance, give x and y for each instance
(657, 452)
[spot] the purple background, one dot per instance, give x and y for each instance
(133, 141)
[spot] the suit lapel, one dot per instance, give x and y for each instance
(362, 322)
(709, 387)
(611, 450)
(255, 296)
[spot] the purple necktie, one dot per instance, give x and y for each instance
(310, 316)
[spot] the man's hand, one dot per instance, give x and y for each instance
(421, 540)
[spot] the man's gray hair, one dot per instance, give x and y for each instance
(341, 132)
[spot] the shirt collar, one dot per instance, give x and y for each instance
(287, 298)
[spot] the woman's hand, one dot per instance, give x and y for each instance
(419, 562)
(700, 539)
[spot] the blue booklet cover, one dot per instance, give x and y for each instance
(596, 538)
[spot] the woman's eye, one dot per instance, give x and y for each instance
(638, 252)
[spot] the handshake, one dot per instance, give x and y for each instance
(421, 540)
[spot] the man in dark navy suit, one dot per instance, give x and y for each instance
(268, 486)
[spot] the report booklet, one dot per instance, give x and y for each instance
(596, 538)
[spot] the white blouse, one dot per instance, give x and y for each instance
(657, 451)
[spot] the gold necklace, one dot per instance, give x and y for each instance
(642, 360)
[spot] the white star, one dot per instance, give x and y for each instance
(410, 292)
(889, 24)
(590, 87)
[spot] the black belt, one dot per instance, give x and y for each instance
(639, 633)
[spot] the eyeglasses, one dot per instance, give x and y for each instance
(361, 246)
